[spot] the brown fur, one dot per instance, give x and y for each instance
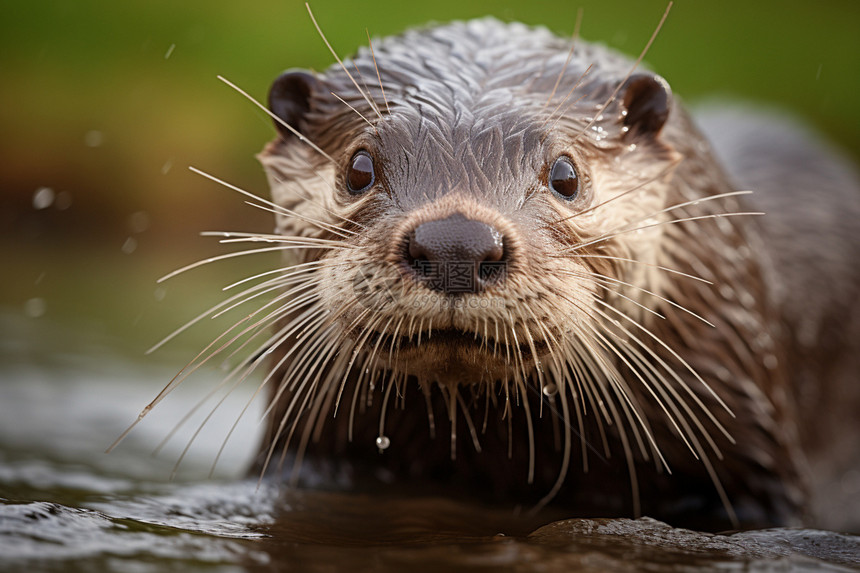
(564, 370)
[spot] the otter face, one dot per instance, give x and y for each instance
(465, 234)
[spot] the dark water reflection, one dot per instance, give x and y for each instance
(334, 532)
(66, 506)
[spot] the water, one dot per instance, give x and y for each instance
(65, 505)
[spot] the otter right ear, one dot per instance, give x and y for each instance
(647, 98)
(290, 98)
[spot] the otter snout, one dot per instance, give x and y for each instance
(456, 254)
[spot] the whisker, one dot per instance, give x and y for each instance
(231, 237)
(651, 293)
(286, 125)
(366, 97)
(565, 100)
(647, 264)
(671, 371)
(376, 67)
(606, 284)
(469, 423)
(638, 61)
(638, 187)
(344, 102)
(313, 391)
(653, 214)
(384, 410)
(206, 314)
(299, 268)
(661, 223)
(270, 206)
(573, 39)
(311, 319)
(223, 257)
(310, 198)
(565, 461)
(298, 367)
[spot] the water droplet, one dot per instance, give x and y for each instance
(129, 246)
(35, 307)
(43, 198)
(550, 390)
(138, 222)
(382, 442)
(160, 293)
(600, 133)
(94, 138)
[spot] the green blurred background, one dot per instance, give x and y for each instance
(106, 104)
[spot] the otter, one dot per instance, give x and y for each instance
(516, 270)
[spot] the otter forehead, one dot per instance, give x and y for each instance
(462, 59)
(480, 68)
(481, 151)
(469, 110)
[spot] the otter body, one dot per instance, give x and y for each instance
(530, 280)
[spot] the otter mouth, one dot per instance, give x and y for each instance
(470, 341)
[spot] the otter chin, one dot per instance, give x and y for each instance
(516, 270)
(454, 357)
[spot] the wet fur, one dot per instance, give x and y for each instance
(641, 333)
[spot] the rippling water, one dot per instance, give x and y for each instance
(67, 506)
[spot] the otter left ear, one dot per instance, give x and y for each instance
(290, 98)
(647, 99)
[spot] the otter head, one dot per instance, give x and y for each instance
(473, 224)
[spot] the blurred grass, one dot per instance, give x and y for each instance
(111, 102)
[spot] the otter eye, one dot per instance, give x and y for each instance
(360, 175)
(563, 179)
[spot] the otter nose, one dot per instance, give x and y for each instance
(456, 254)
